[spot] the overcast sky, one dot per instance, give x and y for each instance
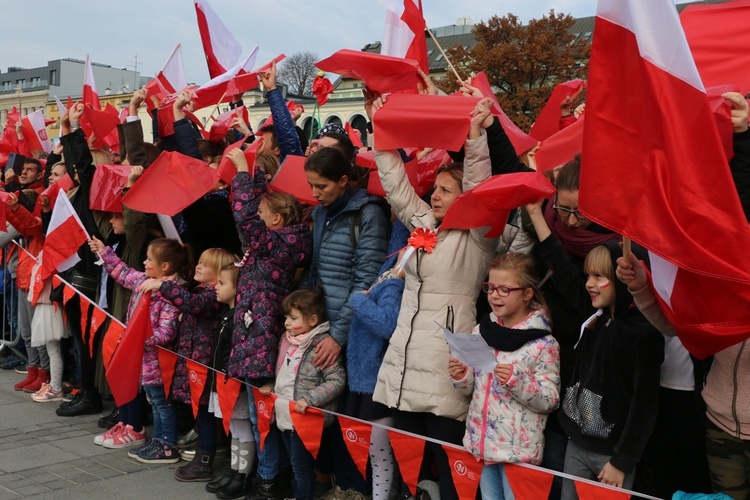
(34, 32)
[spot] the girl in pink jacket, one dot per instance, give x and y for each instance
(509, 406)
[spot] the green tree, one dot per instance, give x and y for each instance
(522, 63)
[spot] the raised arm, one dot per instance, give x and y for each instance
(286, 134)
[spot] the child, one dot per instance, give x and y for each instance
(279, 243)
(610, 408)
(199, 324)
(298, 380)
(165, 259)
(509, 406)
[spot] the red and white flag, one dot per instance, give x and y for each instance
(65, 235)
(221, 47)
(653, 169)
(35, 131)
(404, 31)
(90, 95)
(216, 89)
(170, 79)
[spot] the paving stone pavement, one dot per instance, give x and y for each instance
(46, 456)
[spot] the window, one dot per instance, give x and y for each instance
(429, 53)
(53, 77)
(35, 81)
(21, 82)
(6, 85)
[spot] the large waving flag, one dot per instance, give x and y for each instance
(90, 95)
(217, 89)
(221, 47)
(65, 235)
(654, 170)
(170, 79)
(404, 31)
(35, 131)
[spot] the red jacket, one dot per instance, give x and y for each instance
(30, 228)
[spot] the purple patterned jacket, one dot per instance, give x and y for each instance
(163, 315)
(198, 327)
(264, 281)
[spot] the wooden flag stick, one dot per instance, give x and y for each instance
(217, 107)
(445, 56)
(626, 249)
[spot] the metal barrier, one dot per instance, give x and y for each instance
(10, 337)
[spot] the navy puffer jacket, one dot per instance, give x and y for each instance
(337, 265)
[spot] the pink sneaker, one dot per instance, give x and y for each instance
(128, 438)
(47, 395)
(109, 434)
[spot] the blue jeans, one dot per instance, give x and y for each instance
(165, 427)
(494, 483)
(270, 459)
(303, 466)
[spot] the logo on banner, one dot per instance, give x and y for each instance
(194, 378)
(42, 134)
(262, 409)
(353, 437)
(462, 470)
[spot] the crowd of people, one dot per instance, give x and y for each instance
(336, 307)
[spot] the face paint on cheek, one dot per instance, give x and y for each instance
(297, 328)
(604, 284)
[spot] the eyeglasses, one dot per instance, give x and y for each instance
(565, 213)
(502, 291)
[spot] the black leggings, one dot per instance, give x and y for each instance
(435, 427)
(88, 362)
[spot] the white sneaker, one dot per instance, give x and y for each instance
(47, 395)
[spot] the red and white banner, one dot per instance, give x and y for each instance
(221, 47)
(216, 90)
(90, 94)
(65, 235)
(654, 170)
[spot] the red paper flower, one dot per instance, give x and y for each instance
(322, 86)
(423, 239)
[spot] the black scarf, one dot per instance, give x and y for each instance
(507, 339)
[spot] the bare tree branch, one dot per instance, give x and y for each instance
(298, 72)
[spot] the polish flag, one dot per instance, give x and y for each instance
(654, 170)
(35, 131)
(65, 235)
(90, 95)
(60, 107)
(404, 31)
(169, 80)
(216, 89)
(221, 47)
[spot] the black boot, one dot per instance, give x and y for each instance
(267, 490)
(225, 479)
(110, 420)
(89, 403)
(235, 488)
(199, 469)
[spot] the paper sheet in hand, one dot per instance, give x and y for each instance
(471, 350)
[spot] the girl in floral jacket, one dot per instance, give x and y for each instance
(509, 406)
(165, 259)
(200, 314)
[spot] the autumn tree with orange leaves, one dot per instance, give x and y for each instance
(522, 63)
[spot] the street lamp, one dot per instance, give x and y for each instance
(19, 93)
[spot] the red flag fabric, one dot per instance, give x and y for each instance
(86, 306)
(221, 47)
(366, 159)
(528, 483)
(722, 112)
(561, 147)
(167, 362)
(322, 87)
(90, 94)
(110, 341)
(291, 179)
(521, 141)
(381, 74)
(426, 168)
(466, 471)
(3, 223)
(354, 135)
(35, 131)
(248, 81)
(490, 203)
(375, 187)
(228, 389)
(654, 170)
(65, 235)
(716, 35)
(409, 452)
(64, 183)
(68, 292)
(588, 491)
(170, 184)
(308, 426)
(223, 123)
(423, 121)
(357, 439)
(101, 122)
(106, 188)
(264, 409)
(548, 121)
(9, 140)
(405, 31)
(227, 170)
(197, 376)
(124, 371)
